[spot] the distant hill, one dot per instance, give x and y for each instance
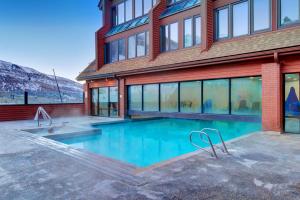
(15, 79)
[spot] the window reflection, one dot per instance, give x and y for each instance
(240, 19)
(216, 96)
(246, 96)
(190, 97)
(261, 14)
(169, 97)
(289, 11)
(135, 97)
(151, 97)
(103, 101)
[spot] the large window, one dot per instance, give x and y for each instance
(169, 97)
(151, 97)
(103, 101)
(243, 18)
(123, 11)
(216, 96)
(240, 19)
(292, 103)
(190, 97)
(289, 12)
(138, 45)
(169, 37)
(135, 97)
(237, 96)
(246, 96)
(116, 51)
(192, 31)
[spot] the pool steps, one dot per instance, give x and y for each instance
(205, 132)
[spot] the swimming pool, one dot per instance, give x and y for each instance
(146, 142)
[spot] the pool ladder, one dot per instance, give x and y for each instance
(205, 132)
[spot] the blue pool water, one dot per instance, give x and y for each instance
(143, 143)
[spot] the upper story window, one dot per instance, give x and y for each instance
(289, 12)
(138, 45)
(130, 9)
(192, 31)
(242, 18)
(115, 51)
(173, 1)
(169, 37)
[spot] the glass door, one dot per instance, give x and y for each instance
(113, 102)
(103, 102)
(94, 102)
(292, 103)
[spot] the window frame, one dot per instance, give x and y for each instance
(193, 18)
(135, 36)
(251, 30)
(279, 25)
(169, 38)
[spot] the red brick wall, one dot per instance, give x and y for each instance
(154, 29)
(24, 112)
(272, 116)
(207, 24)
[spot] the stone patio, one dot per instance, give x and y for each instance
(261, 166)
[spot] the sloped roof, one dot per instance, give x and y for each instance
(250, 44)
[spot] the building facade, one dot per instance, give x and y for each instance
(204, 59)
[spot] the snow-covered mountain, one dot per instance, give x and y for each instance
(41, 88)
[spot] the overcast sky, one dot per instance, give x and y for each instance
(47, 34)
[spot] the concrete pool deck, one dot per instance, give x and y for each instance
(262, 166)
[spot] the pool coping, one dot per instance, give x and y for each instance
(125, 172)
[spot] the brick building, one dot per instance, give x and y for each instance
(204, 59)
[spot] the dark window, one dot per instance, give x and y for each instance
(114, 53)
(222, 23)
(261, 15)
(132, 46)
(192, 31)
(122, 49)
(240, 19)
(114, 16)
(169, 39)
(289, 12)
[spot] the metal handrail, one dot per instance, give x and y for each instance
(213, 153)
(220, 136)
(203, 132)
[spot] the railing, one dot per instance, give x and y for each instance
(31, 98)
(202, 133)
